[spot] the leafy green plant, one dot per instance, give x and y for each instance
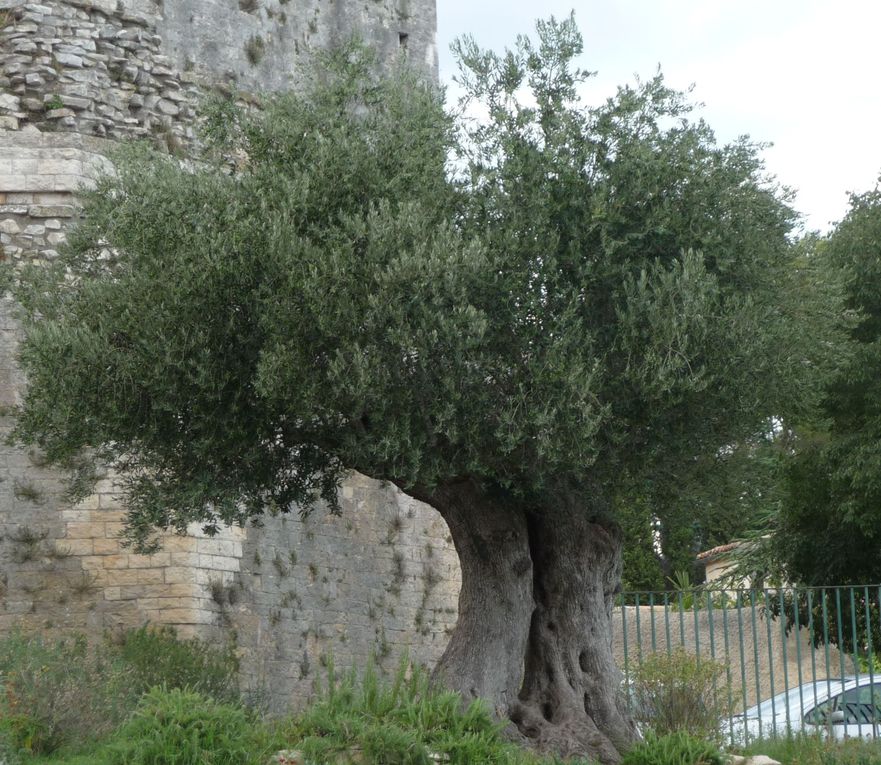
(178, 727)
(676, 693)
(403, 721)
(678, 748)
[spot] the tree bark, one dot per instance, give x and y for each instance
(534, 636)
(484, 658)
(570, 701)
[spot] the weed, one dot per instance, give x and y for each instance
(402, 720)
(395, 527)
(249, 6)
(85, 585)
(53, 103)
(223, 594)
(37, 457)
(58, 694)
(279, 566)
(292, 557)
(398, 572)
(27, 492)
(58, 552)
(26, 544)
(255, 49)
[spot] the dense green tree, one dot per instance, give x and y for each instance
(579, 298)
(829, 528)
(716, 499)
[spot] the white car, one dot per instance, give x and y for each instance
(848, 707)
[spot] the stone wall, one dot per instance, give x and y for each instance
(378, 581)
(77, 76)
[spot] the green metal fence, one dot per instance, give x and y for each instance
(806, 655)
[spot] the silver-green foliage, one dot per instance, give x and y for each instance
(555, 296)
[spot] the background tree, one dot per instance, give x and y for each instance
(586, 296)
(714, 499)
(830, 526)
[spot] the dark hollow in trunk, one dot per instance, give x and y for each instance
(533, 636)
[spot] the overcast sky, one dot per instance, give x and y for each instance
(802, 74)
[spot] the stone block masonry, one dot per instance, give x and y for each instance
(77, 77)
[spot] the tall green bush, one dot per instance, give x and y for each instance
(67, 693)
(677, 692)
(59, 693)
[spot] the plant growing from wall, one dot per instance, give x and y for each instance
(255, 48)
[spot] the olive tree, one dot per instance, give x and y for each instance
(506, 315)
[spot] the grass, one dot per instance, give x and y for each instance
(812, 750)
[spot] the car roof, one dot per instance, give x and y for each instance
(808, 693)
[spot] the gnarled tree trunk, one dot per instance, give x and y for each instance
(570, 702)
(484, 658)
(533, 636)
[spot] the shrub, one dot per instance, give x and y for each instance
(157, 657)
(403, 722)
(678, 748)
(179, 727)
(674, 692)
(58, 693)
(67, 693)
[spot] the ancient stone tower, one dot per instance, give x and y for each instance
(75, 77)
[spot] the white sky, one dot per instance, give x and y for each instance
(802, 74)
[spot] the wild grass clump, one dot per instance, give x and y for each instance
(402, 722)
(678, 748)
(814, 750)
(178, 727)
(672, 693)
(157, 656)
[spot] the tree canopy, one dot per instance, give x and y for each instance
(509, 317)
